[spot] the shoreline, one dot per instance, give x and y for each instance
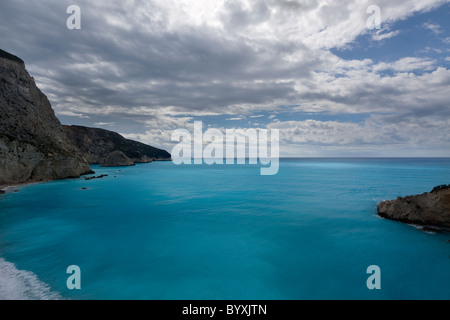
(8, 188)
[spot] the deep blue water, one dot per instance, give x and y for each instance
(160, 231)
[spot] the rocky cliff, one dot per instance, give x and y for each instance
(33, 144)
(431, 208)
(110, 149)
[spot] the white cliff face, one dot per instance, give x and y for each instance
(431, 208)
(33, 144)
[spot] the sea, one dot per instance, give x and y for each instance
(159, 231)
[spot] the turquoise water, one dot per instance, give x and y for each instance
(160, 231)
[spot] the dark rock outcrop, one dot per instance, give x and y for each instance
(33, 144)
(428, 209)
(116, 159)
(9, 56)
(98, 177)
(108, 148)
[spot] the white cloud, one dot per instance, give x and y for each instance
(155, 137)
(387, 135)
(378, 36)
(72, 114)
(360, 88)
(407, 64)
(434, 27)
(102, 124)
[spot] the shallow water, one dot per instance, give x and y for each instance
(160, 231)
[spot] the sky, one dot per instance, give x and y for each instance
(331, 77)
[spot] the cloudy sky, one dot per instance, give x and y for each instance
(313, 69)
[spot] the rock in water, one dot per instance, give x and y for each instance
(98, 177)
(33, 144)
(99, 145)
(116, 159)
(431, 208)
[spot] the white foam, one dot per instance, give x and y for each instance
(22, 285)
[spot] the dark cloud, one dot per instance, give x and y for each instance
(192, 68)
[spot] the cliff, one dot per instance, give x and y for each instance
(33, 144)
(110, 149)
(431, 208)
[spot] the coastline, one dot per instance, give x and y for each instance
(8, 188)
(13, 187)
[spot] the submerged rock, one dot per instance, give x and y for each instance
(432, 229)
(33, 144)
(99, 177)
(428, 209)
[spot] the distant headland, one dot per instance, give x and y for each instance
(34, 146)
(110, 149)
